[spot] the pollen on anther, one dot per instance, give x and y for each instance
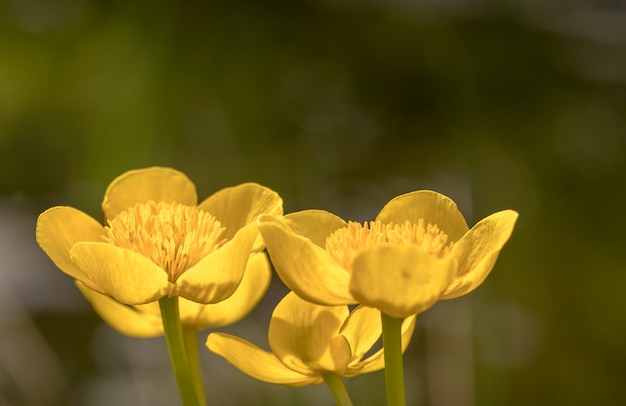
(346, 243)
(174, 236)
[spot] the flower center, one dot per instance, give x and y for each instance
(172, 235)
(346, 243)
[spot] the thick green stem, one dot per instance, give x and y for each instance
(190, 337)
(394, 373)
(176, 348)
(337, 388)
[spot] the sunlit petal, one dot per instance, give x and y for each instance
(123, 318)
(303, 266)
(305, 336)
(140, 185)
(315, 225)
(362, 329)
(58, 229)
(152, 309)
(432, 207)
(257, 363)
(400, 281)
(478, 250)
(376, 361)
(250, 291)
(218, 274)
(237, 206)
(125, 275)
(408, 328)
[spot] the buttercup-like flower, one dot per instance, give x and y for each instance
(157, 240)
(309, 341)
(418, 250)
(145, 320)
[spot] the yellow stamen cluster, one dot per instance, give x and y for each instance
(346, 243)
(172, 235)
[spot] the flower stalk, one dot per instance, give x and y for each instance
(337, 388)
(394, 373)
(190, 338)
(176, 348)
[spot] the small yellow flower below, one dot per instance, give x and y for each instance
(309, 341)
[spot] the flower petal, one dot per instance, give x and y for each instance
(237, 206)
(362, 329)
(408, 328)
(478, 251)
(433, 207)
(217, 275)
(125, 275)
(303, 266)
(316, 225)
(250, 291)
(123, 318)
(58, 229)
(140, 185)
(259, 364)
(400, 281)
(305, 336)
(377, 360)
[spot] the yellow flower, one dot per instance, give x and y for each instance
(145, 320)
(309, 341)
(418, 250)
(157, 240)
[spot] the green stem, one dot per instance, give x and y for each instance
(337, 388)
(190, 337)
(176, 348)
(394, 374)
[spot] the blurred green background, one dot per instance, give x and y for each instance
(339, 105)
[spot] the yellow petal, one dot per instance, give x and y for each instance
(408, 328)
(152, 309)
(400, 281)
(377, 360)
(154, 183)
(237, 206)
(478, 251)
(58, 229)
(257, 363)
(217, 275)
(315, 225)
(305, 336)
(303, 266)
(362, 329)
(433, 207)
(125, 275)
(123, 318)
(250, 291)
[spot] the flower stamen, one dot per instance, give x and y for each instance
(172, 235)
(346, 243)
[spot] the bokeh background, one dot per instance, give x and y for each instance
(339, 105)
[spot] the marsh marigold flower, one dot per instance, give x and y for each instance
(308, 341)
(157, 240)
(418, 250)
